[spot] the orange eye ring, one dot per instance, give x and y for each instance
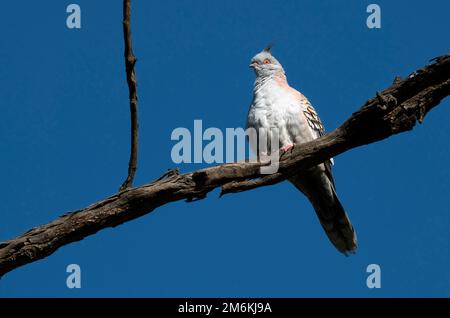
(266, 61)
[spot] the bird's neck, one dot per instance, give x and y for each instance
(262, 80)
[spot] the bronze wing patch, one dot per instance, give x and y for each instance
(313, 120)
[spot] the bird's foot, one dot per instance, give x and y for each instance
(287, 148)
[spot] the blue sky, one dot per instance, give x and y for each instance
(64, 142)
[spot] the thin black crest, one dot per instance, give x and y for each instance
(268, 48)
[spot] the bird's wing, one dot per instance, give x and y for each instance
(313, 120)
(316, 125)
(308, 111)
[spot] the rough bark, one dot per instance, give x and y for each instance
(392, 111)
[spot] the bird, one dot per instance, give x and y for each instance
(276, 104)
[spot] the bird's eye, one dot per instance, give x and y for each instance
(266, 61)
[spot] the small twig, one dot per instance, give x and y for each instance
(130, 61)
(397, 80)
(169, 173)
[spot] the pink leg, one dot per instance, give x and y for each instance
(286, 148)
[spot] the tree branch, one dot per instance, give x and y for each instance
(394, 110)
(130, 61)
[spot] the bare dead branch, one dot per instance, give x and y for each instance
(392, 111)
(130, 61)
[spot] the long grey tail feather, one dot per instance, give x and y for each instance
(337, 226)
(321, 192)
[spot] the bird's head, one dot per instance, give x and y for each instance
(265, 64)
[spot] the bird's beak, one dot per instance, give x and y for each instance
(252, 65)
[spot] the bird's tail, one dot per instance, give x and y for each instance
(320, 190)
(337, 226)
